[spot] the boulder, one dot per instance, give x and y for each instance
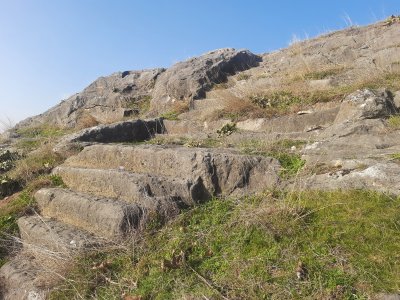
(120, 132)
(192, 78)
(365, 104)
(396, 99)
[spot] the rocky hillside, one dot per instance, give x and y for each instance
(227, 176)
(327, 63)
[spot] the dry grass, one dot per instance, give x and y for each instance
(86, 120)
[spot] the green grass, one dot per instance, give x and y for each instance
(394, 122)
(170, 115)
(323, 74)
(44, 131)
(243, 76)
(8, 222)
(290, 161)
(249, 248)
(20, 205)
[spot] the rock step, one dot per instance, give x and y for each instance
(104, 217)
(222, 171)
(45, 235)
(208, 104)
(292, 123)
(19, 279)
(132, 187)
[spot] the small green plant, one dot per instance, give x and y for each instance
(392, 20)
(7, 160)
(139, 104)
(322, 74)
(43, 131)
(227, 129)
(177, 108)
(281, 100)
(282, 150)
(394, 122)
(243, 76)
(170, 115)
(291, 163)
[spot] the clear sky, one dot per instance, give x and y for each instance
(50, 49)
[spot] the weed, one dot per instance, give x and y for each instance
(279, 100)
(322, 74)
(394, 122)
(243, 76)
(178, 108)
(227, 129)
(139, 104)
(395, 156)
(186, 141)
(7, 160)
(281, 150)
(43, 131)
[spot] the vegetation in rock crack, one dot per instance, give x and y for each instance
(177, 108)
(227, 129)
(284, 151)
(251, 248)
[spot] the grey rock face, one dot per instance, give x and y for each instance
(107, 99)
(192, 78)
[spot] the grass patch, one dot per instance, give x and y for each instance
(178, 107)
(243, 76)
(322, 74)
(283, 150)
(186, 141)
(348, 244)
(43, 131)
(17, 206)
(394, 122)
(140, 104)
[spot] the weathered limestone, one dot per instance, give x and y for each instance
(221, 171)
(131, 187)
(105, 217)
(43, 235)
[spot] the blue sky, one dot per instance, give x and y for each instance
(50, 49)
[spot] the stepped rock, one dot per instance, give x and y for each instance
(110, 98)
(221, 171)
(192, 78)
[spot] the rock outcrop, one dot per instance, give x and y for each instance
(124, 94)
(108, 99)
(191, 79)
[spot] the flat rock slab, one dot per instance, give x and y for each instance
(291, 123)
(383, 177)
(19, 279)
(105, 217)
(131, 187)
(221, 171)
(44, 235)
